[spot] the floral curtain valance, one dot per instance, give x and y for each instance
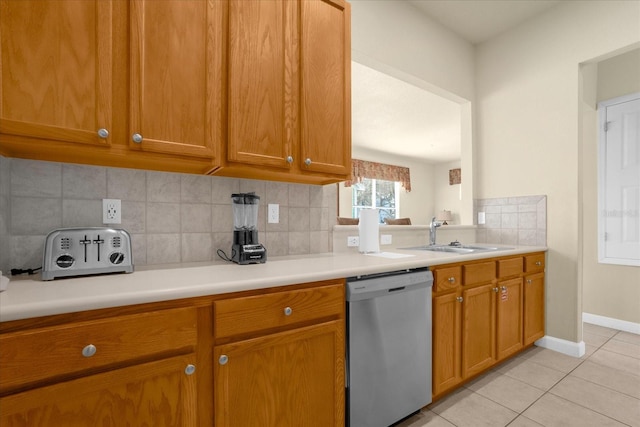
(363, 169)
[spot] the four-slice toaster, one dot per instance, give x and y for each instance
(83, 251)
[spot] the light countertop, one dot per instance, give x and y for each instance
(30, 297)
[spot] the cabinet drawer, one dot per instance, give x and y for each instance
(34, 355)
(446, 278)
(478, 273)
(534, 263)
(245, 315)
(509, 267)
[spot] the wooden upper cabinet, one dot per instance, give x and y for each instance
(289, 99)
(325, 69)
(176, 71)
(56, 61)
(262, 74)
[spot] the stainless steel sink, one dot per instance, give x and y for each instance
(458, 249)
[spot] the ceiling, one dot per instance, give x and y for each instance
(392, 116)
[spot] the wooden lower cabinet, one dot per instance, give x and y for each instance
(292, 378)
(160, 393)
(447, 310)
(533, 307)
(495, 311)
(509, 320)
(478, 329)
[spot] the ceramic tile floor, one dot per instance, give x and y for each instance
(541, 387)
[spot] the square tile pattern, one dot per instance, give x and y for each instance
(171, 217)
(540, 387)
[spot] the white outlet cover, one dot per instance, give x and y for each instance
(385, 239)
(111, 211)
(273, 216)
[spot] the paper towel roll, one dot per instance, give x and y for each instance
(4, 282)
(369, 229)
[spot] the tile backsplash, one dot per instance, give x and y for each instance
(512, 220)
(172, 217)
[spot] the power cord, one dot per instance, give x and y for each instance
(30, 271)
(224, 256)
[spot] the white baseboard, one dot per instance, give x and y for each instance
(570, 348)
(608, 322)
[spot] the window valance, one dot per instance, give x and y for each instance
(361, 169)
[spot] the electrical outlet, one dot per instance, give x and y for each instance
(274, 213)
(111, 211)
(385, 239)
(353, 241)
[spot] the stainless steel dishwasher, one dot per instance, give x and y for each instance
(388, 346)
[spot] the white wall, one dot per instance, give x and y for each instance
(611, 291)
(447, 196)
(528, 128)
(395, 37)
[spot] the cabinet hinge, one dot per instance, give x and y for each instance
(606, 126)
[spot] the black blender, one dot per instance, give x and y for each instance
(246, 249)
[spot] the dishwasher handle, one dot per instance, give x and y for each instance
(364, 289)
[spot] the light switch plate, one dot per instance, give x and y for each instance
(385, 239)
(481, 218)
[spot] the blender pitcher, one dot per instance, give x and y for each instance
(246, 249)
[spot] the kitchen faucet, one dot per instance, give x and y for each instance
(432, 231)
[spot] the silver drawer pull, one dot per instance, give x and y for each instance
(503, 288)
(459, 299)
(288, 311)
(223, 359)
(538, 263)
(190, 369)
(137, 138)
(496, 290)
(451, 279)
(529, 281)
(103, 133)
(89, 350)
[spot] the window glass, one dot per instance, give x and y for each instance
(375, 193)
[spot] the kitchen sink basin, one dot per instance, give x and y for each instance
(458, 248)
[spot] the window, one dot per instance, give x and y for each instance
(376, 193)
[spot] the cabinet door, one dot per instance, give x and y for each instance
(263, 82)
(478, 329)
(152, 394)
(56, 70)
(446, 342)
(533, 307)
(325, 103)
(176, 84)
(293, 378)
(509, 317)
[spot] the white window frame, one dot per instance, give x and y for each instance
(602, 184)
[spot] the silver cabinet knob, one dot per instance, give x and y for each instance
(190, 369)
(289, 159)
(288, 311)
(137, 138)
(503, 288)
(103, 133)
(451, 279)
(223, 359)
(496, 290)
(538, 263)
(89, 350)
(307, 161)
(529, 281)
(459, 299)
